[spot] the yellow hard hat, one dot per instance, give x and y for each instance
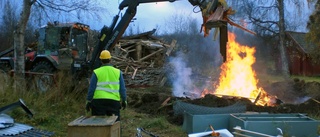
(105, 54)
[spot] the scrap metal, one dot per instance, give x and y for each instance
(9, 128)
(141, 130)
(17, 104)
(6, 52)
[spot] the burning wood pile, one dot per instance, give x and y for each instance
(141, 58)
(238, 79)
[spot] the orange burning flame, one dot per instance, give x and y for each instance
(237, 77)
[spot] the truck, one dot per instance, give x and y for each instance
(60, 46)
(64, 46)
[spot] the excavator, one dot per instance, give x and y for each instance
(42, 63)
(214, 13)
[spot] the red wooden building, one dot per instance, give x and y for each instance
(300, 63)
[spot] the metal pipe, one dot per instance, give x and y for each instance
(237, 129)
(16, 104)
(144, 131)
(240, 135)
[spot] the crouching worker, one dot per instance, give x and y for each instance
(107, 92)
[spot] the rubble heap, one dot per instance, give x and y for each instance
(141, 58)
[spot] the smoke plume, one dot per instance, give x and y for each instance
(182, 82)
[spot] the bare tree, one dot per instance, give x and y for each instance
(53, 10)
(198, 52)
(131, 31)
(272, 18)
(48, 8)
(178, 23)
(8, 25)
(19, 38)
(182, 28)
(283, 55)
(314, 33)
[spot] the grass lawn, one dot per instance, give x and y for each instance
(307, 79)
(63, 104)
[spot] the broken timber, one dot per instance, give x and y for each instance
(141, 58)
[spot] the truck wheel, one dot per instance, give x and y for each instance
(43, 81)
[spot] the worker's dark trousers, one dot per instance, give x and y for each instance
(102, 107)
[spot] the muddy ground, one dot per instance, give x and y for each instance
(296, 96)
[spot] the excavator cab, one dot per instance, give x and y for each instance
(63, 44)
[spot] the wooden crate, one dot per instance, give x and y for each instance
(94, 126)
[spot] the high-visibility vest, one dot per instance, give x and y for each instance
(108, 84)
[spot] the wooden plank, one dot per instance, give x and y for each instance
(223, 42)
(241, 27)
(139, 52)
(126, 70)
(131, 50)
(163, 81)
(165, 102)
(124, 50)
(119, 59)
(95, 131)
(217, 15)
(129, 47)
(134, 73)
(93, 121)
(146, 57)
(172, 45)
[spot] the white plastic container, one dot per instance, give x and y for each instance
(223, 133)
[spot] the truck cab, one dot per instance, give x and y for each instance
(62, 45)
(59, 47)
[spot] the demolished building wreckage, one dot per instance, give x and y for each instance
(141, 58)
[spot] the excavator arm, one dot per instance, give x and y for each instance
(109, 36)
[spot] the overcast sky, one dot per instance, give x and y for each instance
(149, 15)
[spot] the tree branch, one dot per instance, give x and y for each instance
(263, 21)
(32, 2)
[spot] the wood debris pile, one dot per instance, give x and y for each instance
(141, 58)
